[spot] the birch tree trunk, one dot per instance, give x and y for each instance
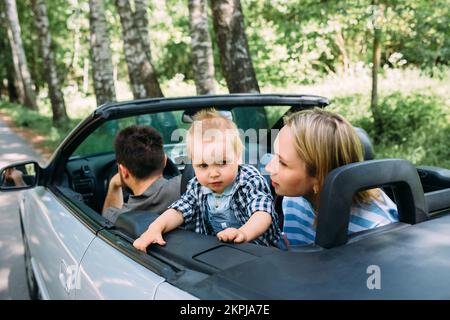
(102, 68)
(18, 53)
(51, 74)
(201, 47)
(236, 62)
(13, 85)
(142, 22)
(144, 82)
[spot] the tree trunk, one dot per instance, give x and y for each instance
(18, 54)
(237, 66)
(141, 19)
(376, 57)
(101, 54)
(144, 82)
(51, 74)
(201, 47)
(13, 83)
(5, 57)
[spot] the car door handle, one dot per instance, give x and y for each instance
(67, 276)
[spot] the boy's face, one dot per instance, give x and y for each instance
(215, 164)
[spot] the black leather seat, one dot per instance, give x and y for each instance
(342, 183)
(187, 175)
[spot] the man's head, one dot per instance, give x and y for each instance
(139, 152)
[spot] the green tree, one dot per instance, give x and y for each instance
(101, 54)
(143, 79)
(18, 54)
(235, 58)
(53, 81)
(201, 47)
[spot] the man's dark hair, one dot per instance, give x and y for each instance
(140, 150)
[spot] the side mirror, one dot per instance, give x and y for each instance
(19, 176)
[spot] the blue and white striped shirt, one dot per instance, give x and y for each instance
(250, 193)
(299, 218)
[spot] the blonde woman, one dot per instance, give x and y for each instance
(310, 145)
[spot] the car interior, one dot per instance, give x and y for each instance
(92, 165)
(193, 256)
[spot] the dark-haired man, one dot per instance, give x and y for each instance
(141, 161)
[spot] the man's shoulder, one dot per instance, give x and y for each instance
(164, 184)
(173, 182)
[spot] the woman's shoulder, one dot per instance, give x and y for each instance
(296, 204)
(380, 210)
(381, 201)
(297, 200)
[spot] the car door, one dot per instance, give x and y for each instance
(106, 272)
(57, 242)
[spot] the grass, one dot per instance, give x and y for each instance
(415, 108)
(39, 124)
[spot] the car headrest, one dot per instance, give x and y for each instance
(342, 183)
(366, 143)
(170, 170)
(188, 174)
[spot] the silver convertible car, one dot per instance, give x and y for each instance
(73, 252)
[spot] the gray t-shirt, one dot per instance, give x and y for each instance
(157, 198)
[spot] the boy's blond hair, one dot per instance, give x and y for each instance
(211, 120)
(324, 141)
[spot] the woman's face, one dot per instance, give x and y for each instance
(287, 171)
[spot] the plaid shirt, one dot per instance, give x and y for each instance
(250, 193)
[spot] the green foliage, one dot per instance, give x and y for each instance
(171, 43)
(38, 123)
(415, 127)
(296, 41)
(301, 41)
(421, 32)
(406, 114)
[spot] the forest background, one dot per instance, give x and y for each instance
(383, 63)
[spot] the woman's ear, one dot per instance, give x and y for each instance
(316, 186)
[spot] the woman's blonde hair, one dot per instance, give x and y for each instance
(324, 141)
(211, 119)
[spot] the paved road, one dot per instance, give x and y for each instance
(12, 271)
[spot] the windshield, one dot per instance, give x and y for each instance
(253, 123)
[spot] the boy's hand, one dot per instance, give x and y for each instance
(147, 238)
(169, 220)
(232, 235)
